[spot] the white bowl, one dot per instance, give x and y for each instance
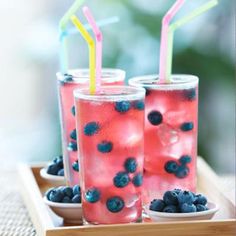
(53, 179)
(202, 215)
(70, 212)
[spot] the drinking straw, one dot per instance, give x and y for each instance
(100, 23)
(71, 11)
(91, 46)
(63, 54)
(164, 38)
(67, 32)
(99, 37)
(62, 26)
(173, 27)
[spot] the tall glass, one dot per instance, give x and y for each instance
(110, 127)
(171, 123)
(74, 79)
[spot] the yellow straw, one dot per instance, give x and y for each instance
(92, 55)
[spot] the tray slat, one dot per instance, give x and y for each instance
(48, 224)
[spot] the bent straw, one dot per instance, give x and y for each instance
(100, 23)
(99, 37)
(62, 26)
(164, 38)
(63, 39)
(71, 11)
(91, 46)
(173, 27)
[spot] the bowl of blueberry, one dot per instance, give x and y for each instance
(179, 205)
(54, 172)
(65, 202)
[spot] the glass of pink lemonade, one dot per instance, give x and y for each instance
(171, 120)
(110, 128)
(74, 79)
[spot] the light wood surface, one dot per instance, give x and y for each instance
(47, 224)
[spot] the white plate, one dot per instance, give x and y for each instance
(54, 179)
(202, 215)
(70, 212)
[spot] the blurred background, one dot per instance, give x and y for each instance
(29, 47)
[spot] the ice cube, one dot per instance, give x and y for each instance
(174, 118)
(131, 200)
(123, 131)
(167, 135)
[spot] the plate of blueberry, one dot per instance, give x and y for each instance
(179, 205)
(65, 202)
(54, 172)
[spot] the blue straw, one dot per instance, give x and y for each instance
(72, 31)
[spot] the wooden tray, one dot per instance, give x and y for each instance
(48, 224)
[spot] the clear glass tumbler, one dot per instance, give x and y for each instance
(74, 79)
(110, 128)
(171, 124)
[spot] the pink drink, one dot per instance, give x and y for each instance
(66, 84)
(170, 134)
(110, 127)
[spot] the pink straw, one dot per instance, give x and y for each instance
(164, 39)
(99, 37)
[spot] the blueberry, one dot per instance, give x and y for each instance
(91, 128)
(76, 198)
(155, 117)
(72, 146)
(61, 172)
(185, 159)
(58, 159)
(115, 204)
(66, 199)
(76, 190)
(105, 147)
(188, 208)
(137, 180)
(139, 105)
(56, 195)
(157, 205)
(130, 165)
(200, 199)
(170, 198)
(171, 166)
(185, 197)
(73, 134)
(47, 194)
(148, 91)
(177, 190)
(201, 207)
(92, 195)
(186, 126)
(182, 172)
(68, 78)
(121, 179)
(122, 106)
(75, 166)
(59, 163)
(67, 191)
(190, 94)
(170, 209)
(73, 110)
(53, 169)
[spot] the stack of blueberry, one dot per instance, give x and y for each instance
(64, 194)
(179, 201)
(56, 167)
